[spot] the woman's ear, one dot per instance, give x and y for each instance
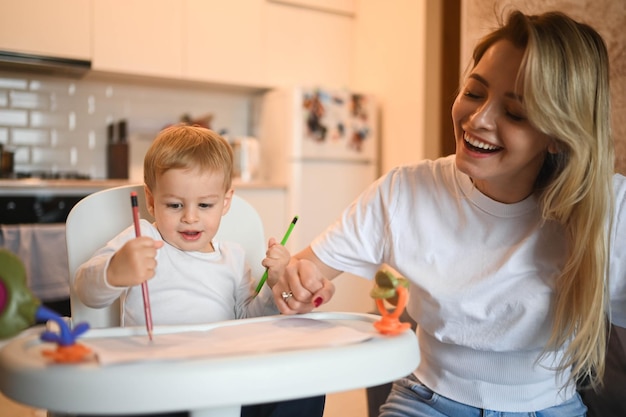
(553, 147)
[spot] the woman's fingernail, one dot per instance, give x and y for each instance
(317, 302)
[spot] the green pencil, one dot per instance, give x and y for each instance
(282, 242)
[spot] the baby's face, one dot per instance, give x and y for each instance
(188, 205)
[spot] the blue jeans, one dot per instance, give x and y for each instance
(410, 398)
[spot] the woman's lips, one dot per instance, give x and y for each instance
(477, 145)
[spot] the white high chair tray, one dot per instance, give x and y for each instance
(214, 385)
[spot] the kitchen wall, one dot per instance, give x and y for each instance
(59, 124)
(608, 17)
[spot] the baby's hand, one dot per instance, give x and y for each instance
(276, 260)
(133, 263)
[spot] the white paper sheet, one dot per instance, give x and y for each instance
(265, 336)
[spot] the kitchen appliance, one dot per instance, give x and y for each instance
(324, 145)
(246, 158)
(41, 64)
(32, 226)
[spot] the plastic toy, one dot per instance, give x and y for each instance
(389, 286)
(20, 309)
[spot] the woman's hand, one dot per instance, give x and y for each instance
(302, 288)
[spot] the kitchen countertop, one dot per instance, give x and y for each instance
(30, 186)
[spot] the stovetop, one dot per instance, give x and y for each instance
(51, 175)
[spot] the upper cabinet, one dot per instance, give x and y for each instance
(59, 28)
(249, 43)
(308, 46)
(333, 6)
(142, 37)
(224, 41)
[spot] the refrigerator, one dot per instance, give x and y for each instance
(324, 145)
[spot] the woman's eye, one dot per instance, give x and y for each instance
(514, 116)
(470, 94)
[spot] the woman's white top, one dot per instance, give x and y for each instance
(482, 280)
(188, 287)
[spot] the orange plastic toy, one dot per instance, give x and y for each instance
(389, 286)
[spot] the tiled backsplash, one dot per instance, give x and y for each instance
(59, 124)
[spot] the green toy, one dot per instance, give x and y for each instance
(389, 286)
(20, 309)
(18, 306)
(386, 284)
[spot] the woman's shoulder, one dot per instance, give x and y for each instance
(619, 181)
(619, 190)
(424, 172)
(444, 164)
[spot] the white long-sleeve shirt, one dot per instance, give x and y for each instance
(482, 279)
(188, 287)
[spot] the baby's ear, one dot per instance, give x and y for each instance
(149, 200)
(228, 198)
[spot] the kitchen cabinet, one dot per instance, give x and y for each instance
(58, 28)
(224, 41)
(259, 42)
(142, 37)
(252, 43)
(331, 6)
(305, 46)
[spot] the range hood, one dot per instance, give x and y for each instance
(60, 67)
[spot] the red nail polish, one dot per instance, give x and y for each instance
(317, 302)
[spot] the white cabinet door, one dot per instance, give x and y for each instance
(224, 41)
(307, 47)
(142, 37)
(58, 28)
(330, 6)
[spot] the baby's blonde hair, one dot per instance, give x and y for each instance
(187, 147)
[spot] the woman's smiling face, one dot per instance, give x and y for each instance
(496, 145)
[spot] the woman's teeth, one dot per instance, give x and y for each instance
(479, 145)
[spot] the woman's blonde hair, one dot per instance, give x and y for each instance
(187, 147)
(565, 73)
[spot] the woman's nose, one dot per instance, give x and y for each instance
(484, 116)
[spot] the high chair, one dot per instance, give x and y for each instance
(102, 215)
(207, 386)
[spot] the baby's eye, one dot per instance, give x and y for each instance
(205, 205)
(174, 205)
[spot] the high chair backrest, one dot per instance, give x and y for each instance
(100, 216)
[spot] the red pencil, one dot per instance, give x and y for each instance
(144, 285)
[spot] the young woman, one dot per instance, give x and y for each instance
(505, 243)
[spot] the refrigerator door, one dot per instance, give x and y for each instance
(321, 191)
(335, 124)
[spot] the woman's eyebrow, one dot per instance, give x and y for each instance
(482, 80)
